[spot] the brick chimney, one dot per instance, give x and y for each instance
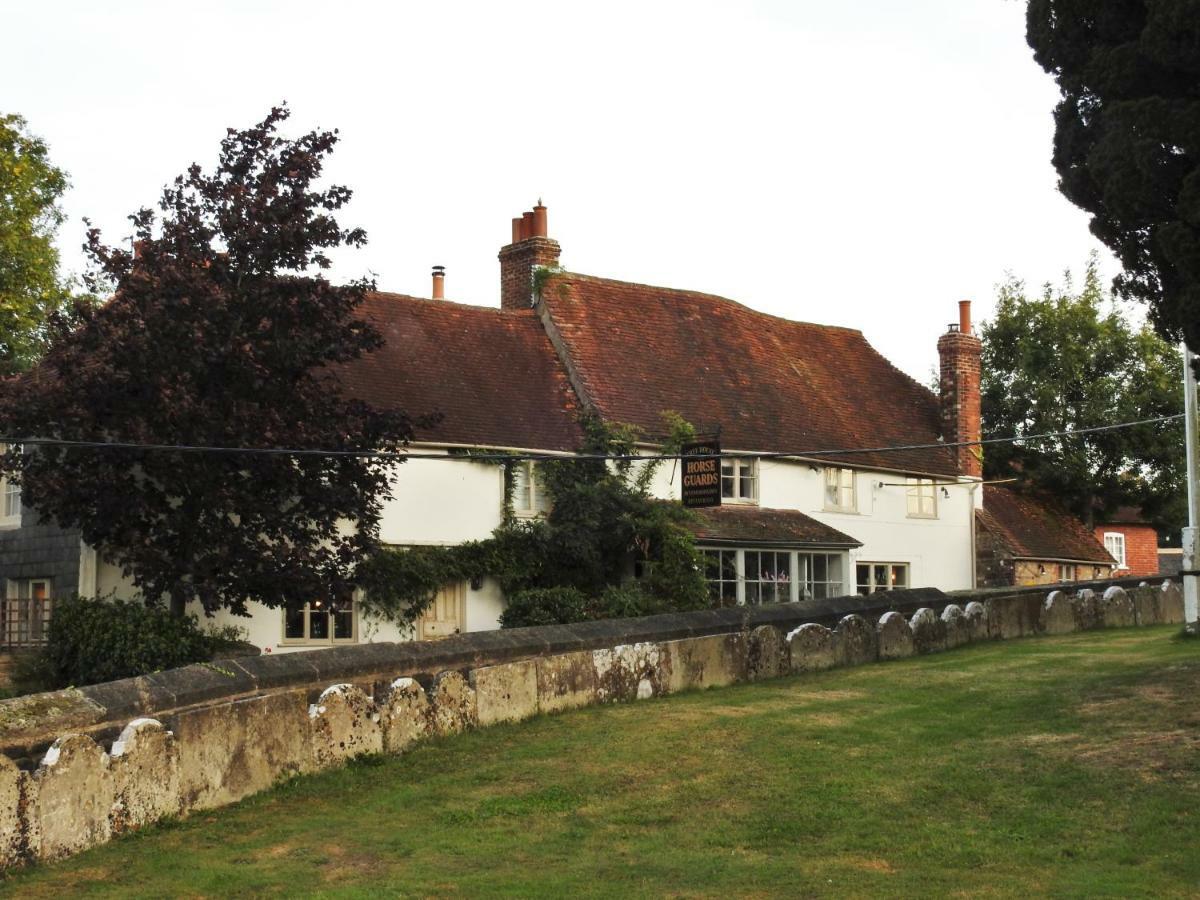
(959, 351)
(530, 248)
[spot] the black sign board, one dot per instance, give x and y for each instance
(701, 473)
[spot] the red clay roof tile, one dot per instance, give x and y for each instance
(493, 375)
(751, 525)
(770, 383)
(1034, 528)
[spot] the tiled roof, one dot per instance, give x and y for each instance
(770, 383)
(751, 525)
(493, 375)
(1036, 528)
(1125, 515)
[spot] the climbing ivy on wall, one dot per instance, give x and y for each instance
(603, 527)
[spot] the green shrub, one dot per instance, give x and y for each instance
(101, 639)
(626, 601)
(545, 606)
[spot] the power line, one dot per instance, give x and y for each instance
(501, 457)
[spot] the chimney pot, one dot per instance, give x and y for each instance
(516, 226)
(439, 282)
(964, 316)
(539, 220)
(526, 225)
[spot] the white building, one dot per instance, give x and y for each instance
(804, 522)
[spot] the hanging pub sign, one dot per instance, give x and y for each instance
(701, 473)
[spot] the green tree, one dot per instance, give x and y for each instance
(606, 549)
(1127, 139)
(222, 331)
(1070, 359)
(30, 290)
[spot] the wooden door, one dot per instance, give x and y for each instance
(446, 615)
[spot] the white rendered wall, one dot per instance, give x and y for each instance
(439, 502)
(434, 502)
(938, 551)
(442, 502)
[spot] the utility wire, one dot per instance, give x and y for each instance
(501, 457)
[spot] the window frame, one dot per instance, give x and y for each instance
(332, 639)
(13, 597)
(839, 474)
(525, 472)
(10, 493)
(718, 593)
(1118, 538)
(872, 585)
(915, 490)
(802, 583)
(741, 467)
(1067, 572)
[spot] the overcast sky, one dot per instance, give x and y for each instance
(865, 163)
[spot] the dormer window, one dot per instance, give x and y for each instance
(840, 495)
(739, 480)
(529, 496)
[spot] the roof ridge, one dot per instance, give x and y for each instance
(700, 295)
(443, 303)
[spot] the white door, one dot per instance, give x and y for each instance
(446, 615)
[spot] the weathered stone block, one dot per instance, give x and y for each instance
(766, 654)
(854, 641)
(12, 834)
(1170, 605)
(928, 631)
(41, 717)
(811, 648)
(70, 798)
(453, 702)
(1118, 608)
(958, 631)
(1145, 604)
(345, 724)
(233, 750)
(893, 636)
(704, 662)
(1089, 612)
(566, 681)
(632, 671)
(1006, 618)
(1058, 614)
(505, 693)
(405, 717)
(145, 769)
(977, 622)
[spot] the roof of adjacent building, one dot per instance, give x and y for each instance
(1037, 528)
(1125, 515)
(492, 375)
(754, 525)
(771, 384)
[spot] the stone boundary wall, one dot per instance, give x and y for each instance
(244, 725)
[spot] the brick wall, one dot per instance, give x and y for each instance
(1141, 547)
(517, 262)
(959, 355)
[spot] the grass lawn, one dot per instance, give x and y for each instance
(1065, 766)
